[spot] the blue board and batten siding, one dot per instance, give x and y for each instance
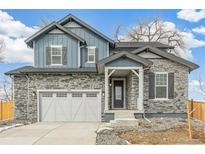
(72, 47)
(92, 40)
(56, 39)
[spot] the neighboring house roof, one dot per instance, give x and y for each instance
(141, 44)
(48, 28)
(35, 70)
(80, 22)
(167, 55)
(101, 63)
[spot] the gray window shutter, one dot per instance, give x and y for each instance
(48, 55)
(171, 85)
(86, 54)
(64, 56)
(151, 85)
(96, 54)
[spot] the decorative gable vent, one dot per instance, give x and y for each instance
(72, 24)
(56, 31)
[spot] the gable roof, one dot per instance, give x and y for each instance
(101, 63)
(142, 44)
(167, 55)
(71, 17)
(48, 28)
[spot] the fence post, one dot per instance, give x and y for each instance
(192, 107)
(189, 120)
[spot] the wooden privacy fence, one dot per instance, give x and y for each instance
(197, 110)
(6, 110)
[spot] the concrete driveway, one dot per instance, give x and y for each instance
(51, 133)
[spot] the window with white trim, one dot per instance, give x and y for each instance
(161, 85)
(91, 54)
(56, 55)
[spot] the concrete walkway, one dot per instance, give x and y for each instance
(51, 133)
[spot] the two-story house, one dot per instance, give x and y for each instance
(79, 74)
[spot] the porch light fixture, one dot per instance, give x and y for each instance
(33, 93)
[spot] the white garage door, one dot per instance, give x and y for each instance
(70, 106)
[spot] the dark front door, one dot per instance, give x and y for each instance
(118, 94)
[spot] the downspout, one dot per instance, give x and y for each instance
(80, 57)
(28, 98)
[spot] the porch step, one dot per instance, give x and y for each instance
(124, 118)
(124, 114)
(124, 123)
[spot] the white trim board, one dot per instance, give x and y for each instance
(123, 68)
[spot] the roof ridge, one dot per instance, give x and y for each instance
(50, 26)
(85, 25)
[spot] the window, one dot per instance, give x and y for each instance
(91, 54)
(161, 85)
(56, 55)
(77, 95)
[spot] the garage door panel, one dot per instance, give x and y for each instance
(78, 109)
(92, 108)
(47, 108)
(63, 110)
(70, 106)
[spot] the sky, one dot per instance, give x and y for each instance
(17, 25)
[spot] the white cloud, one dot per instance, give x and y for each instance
(13, 33)
(200, 30)
(191, 15)
(191, 42)
(194, 87)
(16, 50)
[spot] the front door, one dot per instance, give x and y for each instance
(118, 94)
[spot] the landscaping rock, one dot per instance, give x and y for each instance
(106, 136)
(105, 130)
(110, 139)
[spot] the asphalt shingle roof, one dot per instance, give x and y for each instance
(141, 44)
(33, 70)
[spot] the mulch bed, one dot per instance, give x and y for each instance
(176, 135)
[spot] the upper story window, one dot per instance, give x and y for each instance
(56, 55)
(91, 54)
(161, 85)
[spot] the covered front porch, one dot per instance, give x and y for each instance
(124, 83)
(124, 89)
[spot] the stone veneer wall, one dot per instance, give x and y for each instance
(176, 105)
(36, 82)
(132, 91)
(95, 81)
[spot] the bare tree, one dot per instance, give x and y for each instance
(5, 88)
(44, 22)
(156, 31)
(2, 46)
(117, 34)
(202, 87)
